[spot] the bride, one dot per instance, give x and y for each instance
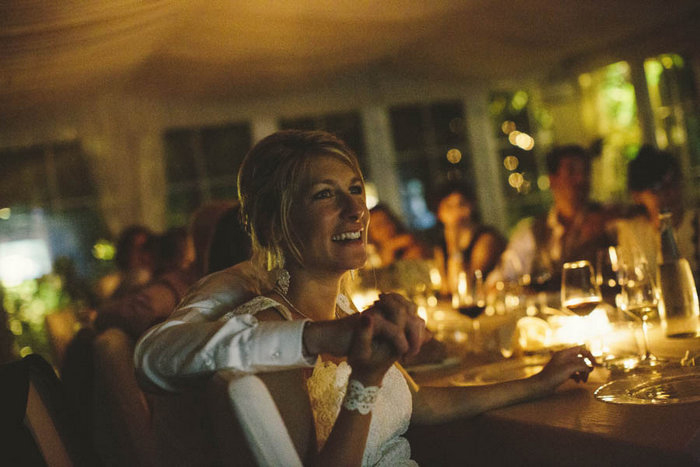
(303, 201)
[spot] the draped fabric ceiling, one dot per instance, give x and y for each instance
(54, 51)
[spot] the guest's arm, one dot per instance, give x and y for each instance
(439, 404)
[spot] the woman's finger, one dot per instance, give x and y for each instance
(389, 332)
(416, 334)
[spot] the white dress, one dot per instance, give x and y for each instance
(391, 413)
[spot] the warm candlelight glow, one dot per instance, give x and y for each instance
(536, 334)
(435, 278)
(423, 314)
(365, 298)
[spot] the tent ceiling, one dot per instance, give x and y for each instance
(53, 51)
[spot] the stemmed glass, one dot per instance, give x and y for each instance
(639, 298)
(579, 291)
(470, 298)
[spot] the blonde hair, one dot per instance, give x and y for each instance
(270, 181)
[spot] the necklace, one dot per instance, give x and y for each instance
(288, 302)
(284, 297)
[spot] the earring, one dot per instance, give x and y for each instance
(282, 281)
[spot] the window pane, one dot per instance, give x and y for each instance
(23, 178)
(675, 106)
(180, 156)
(518, 157)
(430, 148)
(224, 148)
(73, 174)
(407, 127)
(181, 204)
(448, 123)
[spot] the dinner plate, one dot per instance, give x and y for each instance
(507, 370)
(660, 387)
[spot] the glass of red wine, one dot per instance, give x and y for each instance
(470, 299)
(580, 293)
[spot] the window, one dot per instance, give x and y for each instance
(431, 147)
(517, 126)
(201, 166)
(674, 104)
(346, 126)
(50, 200)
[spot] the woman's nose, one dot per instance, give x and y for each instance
(354, 207)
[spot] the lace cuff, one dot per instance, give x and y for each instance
(360, 398)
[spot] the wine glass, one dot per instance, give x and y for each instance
(470, 298)
(579, 291)
(639, 298)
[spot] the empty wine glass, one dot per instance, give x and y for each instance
(579, 291)
(639, 298)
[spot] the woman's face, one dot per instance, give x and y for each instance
(454, 209)
(331, 217)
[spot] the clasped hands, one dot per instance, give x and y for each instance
(373, 340)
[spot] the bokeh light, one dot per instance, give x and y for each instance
(103, 250)
(454, 156)
(516, 180)
(508, 126)
(371, 197)
(511, 162)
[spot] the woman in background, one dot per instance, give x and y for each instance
(467, 245)
(391, 240)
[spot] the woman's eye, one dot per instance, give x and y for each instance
(356, 189)
(323, 194)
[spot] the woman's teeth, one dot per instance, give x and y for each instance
(346, 236)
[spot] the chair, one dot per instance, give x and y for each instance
(229, 420)
(122, 416)
(242, 408)
(38, 421)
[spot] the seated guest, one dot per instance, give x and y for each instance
(573, 229)
(303, 201)
(134, 263)
(219, 241)
(392, 241)
(655, 184)
(466, 245)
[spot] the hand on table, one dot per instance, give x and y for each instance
(575, 363)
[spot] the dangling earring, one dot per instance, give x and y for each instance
(282, 279)
(353, 274)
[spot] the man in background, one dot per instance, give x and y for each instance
(573, 229)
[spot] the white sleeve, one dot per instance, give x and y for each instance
(200, 338)
(176, 351)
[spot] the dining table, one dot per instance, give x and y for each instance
(569, 427)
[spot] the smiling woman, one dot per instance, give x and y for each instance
(302, 198)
